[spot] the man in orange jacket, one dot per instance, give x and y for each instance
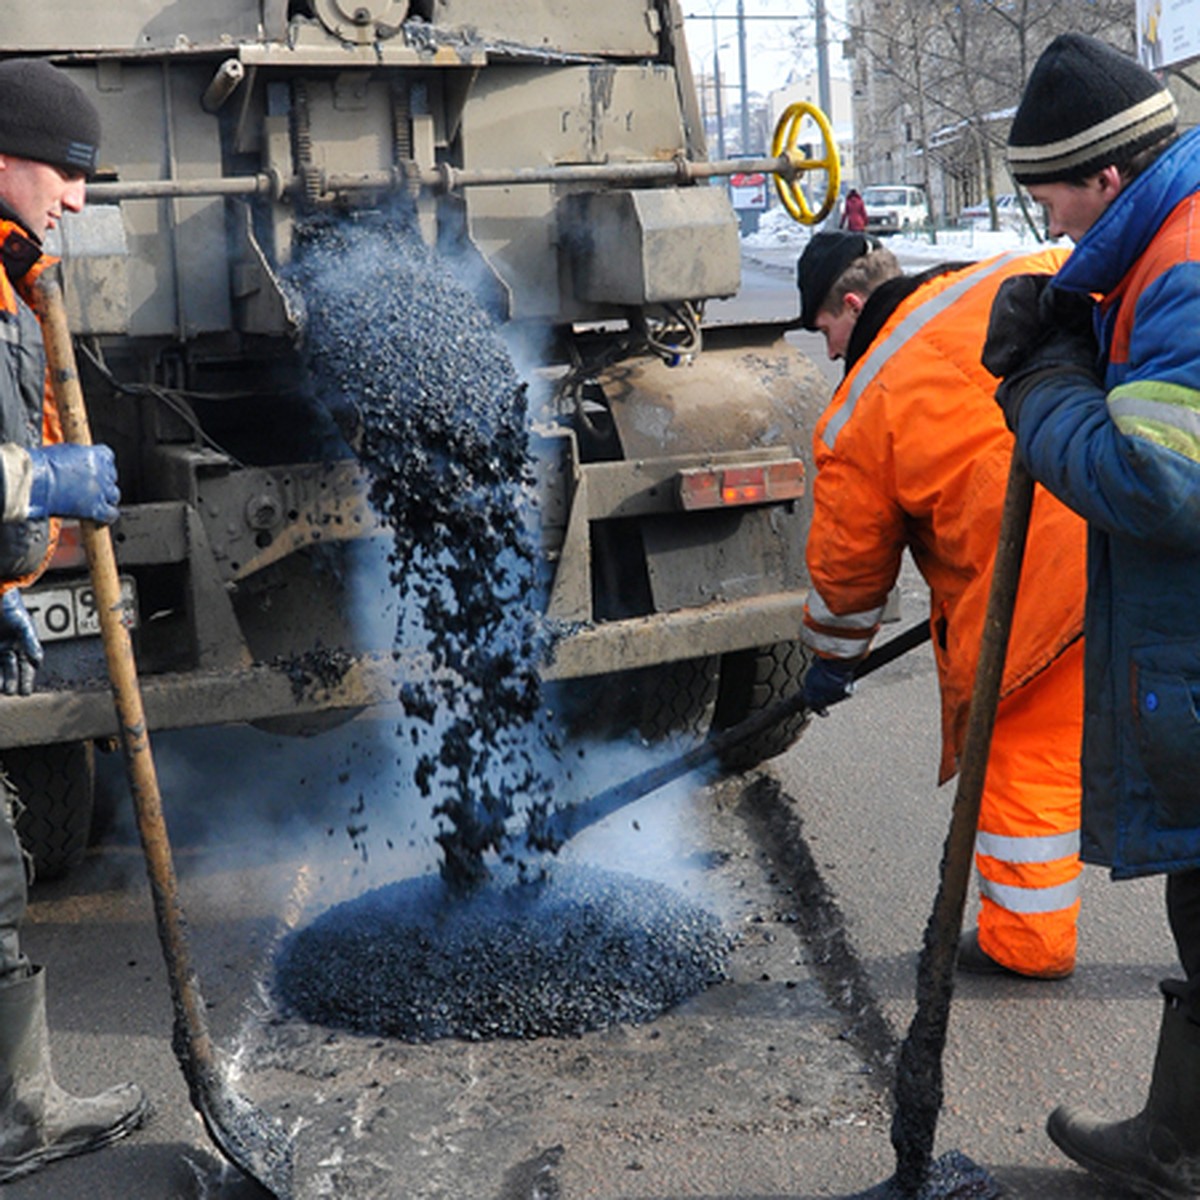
(912, 454)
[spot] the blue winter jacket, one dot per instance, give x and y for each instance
(1126, 455)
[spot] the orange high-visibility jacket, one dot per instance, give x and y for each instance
(913, 452)
(28, 414)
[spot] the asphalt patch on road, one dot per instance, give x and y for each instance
(583, 949)
(774, 819)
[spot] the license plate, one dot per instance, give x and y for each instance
(69, 610)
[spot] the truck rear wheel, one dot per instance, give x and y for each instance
(56, 789)
(753, 680)
(677, 698)
(667, 700)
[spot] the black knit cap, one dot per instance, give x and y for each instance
(46, 116)
(824, 259)
(1085, 106)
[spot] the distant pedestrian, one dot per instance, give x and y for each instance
(854, 213)
(1116, 436)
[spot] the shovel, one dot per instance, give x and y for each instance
(560, 826)
(251, 1140)
(917, 1090)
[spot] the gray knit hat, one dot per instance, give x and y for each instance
(46, 116)
(1085, 106)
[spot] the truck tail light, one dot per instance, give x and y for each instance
(734, 486)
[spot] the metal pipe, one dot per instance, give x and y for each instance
(445, 178)
(224, 83)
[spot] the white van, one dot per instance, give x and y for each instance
(895, 208)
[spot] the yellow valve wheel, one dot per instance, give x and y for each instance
(785, 142)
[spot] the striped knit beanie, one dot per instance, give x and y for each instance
(47, 117)
(1085, 106)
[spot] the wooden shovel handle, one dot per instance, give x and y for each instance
(191, 1022)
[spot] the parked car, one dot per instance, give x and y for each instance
(895, 208)
(1008, 213)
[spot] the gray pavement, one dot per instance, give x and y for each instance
(774, 1084)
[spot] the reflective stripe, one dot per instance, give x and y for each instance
(1032, 900)
(908, 327)
(1164, 413)
(833, 647)
(1039, 849)
(822, 629)
(820, 612)
(16, 482)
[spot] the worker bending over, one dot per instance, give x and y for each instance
(913, 453)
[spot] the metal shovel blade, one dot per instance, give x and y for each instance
(952, 1177)
(254, 1143)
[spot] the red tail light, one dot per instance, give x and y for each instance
(733, 486)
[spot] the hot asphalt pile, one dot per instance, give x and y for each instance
(582, 949)
(415, 369)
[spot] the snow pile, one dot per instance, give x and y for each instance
(778, 231)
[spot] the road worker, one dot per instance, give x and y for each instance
(49, 138)
(1117, 438)
(911, 453)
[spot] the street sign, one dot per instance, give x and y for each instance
(1168, 32)
(748, 191)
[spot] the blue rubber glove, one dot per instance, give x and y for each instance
(74, 481)
(827, 681)
(20, 651)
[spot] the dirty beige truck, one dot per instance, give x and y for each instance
(547, 141)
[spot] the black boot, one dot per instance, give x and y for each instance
(39, 1122)
(1156, 1153)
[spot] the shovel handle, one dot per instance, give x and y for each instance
(565, 823)
(918, 1082)
(191, 1023)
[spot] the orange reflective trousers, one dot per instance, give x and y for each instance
(1027, 847)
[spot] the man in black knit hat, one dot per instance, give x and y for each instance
(1117, 438)
(49, 139)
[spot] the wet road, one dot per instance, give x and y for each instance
(770, 1085)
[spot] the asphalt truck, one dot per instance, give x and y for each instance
(559, 144)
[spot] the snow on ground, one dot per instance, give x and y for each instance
(777, 230)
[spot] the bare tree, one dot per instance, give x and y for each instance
(952, 71)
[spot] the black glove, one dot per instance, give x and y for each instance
(1035, 329)
(827, 681)
(20, 651)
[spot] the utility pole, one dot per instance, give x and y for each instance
(824, 96)
(745, 90)
(720, 104)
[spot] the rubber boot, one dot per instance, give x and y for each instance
(1156, 1153)
(39, 1122)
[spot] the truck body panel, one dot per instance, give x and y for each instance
(227, 125)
